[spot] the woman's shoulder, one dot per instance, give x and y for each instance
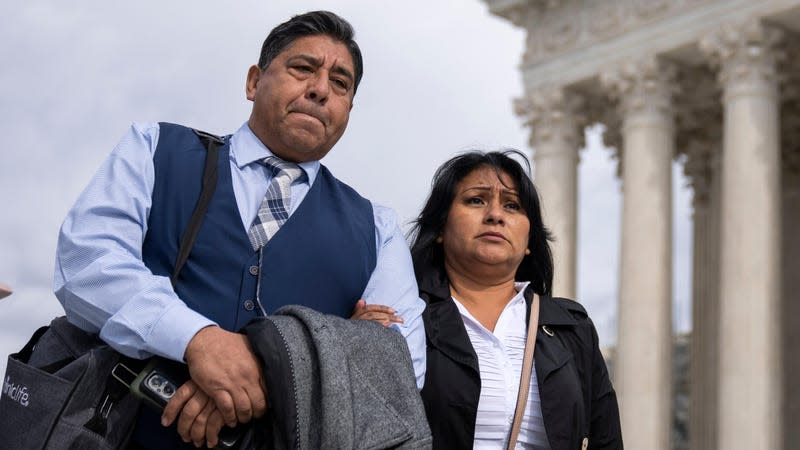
(569, 315)
(571, 306)
(563, 310)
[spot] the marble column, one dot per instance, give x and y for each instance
(702, 169)
(643, 373)
(750, 399)
(556, 136)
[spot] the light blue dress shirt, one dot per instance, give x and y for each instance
(105, 287)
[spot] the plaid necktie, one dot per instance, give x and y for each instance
(274, 209)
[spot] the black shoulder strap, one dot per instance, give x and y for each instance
(212, 144)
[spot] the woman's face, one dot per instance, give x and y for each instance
(486, 228)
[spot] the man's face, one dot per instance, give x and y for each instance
(302, 100)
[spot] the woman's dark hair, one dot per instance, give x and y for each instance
(428, 254)
(311, 24)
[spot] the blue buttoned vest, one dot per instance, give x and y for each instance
(322, 257)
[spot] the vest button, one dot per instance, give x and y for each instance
(249, 305)
(253, 270)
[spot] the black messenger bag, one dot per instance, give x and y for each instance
(59, 391)
(62, 394)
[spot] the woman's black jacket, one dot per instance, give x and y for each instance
(578, 401)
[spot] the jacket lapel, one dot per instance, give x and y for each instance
(443, 326)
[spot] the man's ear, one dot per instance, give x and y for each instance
(253, 75)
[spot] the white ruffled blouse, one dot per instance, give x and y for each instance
(500, 361)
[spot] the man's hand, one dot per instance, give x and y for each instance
(379, 313)
(223, 366)
(200, 421)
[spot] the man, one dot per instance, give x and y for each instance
(118, 244)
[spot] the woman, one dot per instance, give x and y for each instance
(480, 252)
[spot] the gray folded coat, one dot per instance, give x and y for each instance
(334, 383)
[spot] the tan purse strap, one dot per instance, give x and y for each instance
(525, 376)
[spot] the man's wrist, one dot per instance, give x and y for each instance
(197, 343)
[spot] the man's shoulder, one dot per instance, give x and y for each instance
(174, 137)
(155, 128)
(168, 128)
(385, 217)
(340, 185)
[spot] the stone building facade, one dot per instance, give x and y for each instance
(715, 84)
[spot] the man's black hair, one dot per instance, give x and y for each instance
(311, 24)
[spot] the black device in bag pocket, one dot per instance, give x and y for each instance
(47, 403)
(158, 382)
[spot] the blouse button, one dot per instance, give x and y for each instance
(249, 305)
(253, 270)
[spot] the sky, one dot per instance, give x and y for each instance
(439, 78)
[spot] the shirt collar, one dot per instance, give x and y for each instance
(520, 287)
(516, 301)
(246, 149)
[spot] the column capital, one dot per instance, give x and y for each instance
(698, 116)
(702, 162)
(746, 54)
(644, 89)
(698, 111)
(553, 113)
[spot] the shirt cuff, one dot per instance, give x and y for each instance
(171, 334)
